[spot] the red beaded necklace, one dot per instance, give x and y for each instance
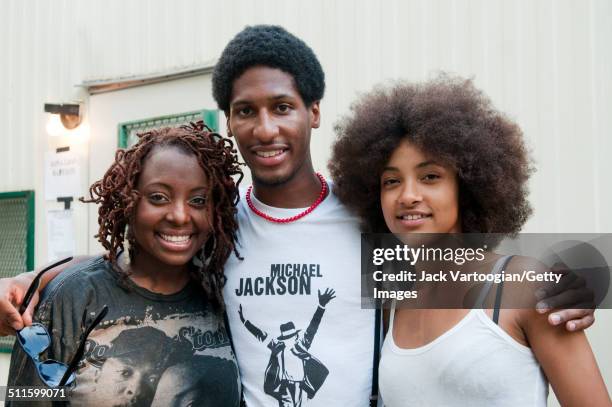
(292, 218)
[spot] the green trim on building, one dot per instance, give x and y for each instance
(31, 225)
(123, 136)
(15, 194)
(17, 211)
(30, 216)
(210, 117)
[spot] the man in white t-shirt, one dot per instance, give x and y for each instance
(295, 237)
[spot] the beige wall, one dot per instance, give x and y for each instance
(546, 63)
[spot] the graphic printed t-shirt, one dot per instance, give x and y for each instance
(294, 308)
(150, 349)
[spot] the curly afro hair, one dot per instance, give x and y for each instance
(118, 197)
(447, 118)
(274, 47)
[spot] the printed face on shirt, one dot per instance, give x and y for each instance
(418, 193)
(179, 386)
(171, 222)
(272, 125)
(289, 342)
(127, 382)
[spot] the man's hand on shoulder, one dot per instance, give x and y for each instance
(571, 300)
(12, 291)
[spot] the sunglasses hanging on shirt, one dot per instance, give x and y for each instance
(35, 339)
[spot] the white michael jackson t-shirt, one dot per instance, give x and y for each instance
(296, 344)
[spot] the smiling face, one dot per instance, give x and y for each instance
(171, 219)
(419, 194)
(272, 125)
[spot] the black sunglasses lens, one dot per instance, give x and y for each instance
(34, 339)
(52, 372)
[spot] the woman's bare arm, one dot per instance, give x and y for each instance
(567, 360)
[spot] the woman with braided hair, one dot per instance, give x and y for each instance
(167, 221)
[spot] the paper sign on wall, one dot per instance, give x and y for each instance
(60, 234)
(62, 175)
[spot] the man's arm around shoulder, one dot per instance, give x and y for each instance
(13, 291)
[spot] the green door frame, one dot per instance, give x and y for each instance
(29, 196)
(210, 117)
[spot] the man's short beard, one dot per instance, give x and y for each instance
(276, 181)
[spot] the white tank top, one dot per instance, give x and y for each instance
(475, 363)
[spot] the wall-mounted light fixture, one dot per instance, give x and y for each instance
(63, 117)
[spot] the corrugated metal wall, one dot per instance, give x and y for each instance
(546, 63)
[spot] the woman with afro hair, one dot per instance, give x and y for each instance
(436, 157)
(167, 222)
